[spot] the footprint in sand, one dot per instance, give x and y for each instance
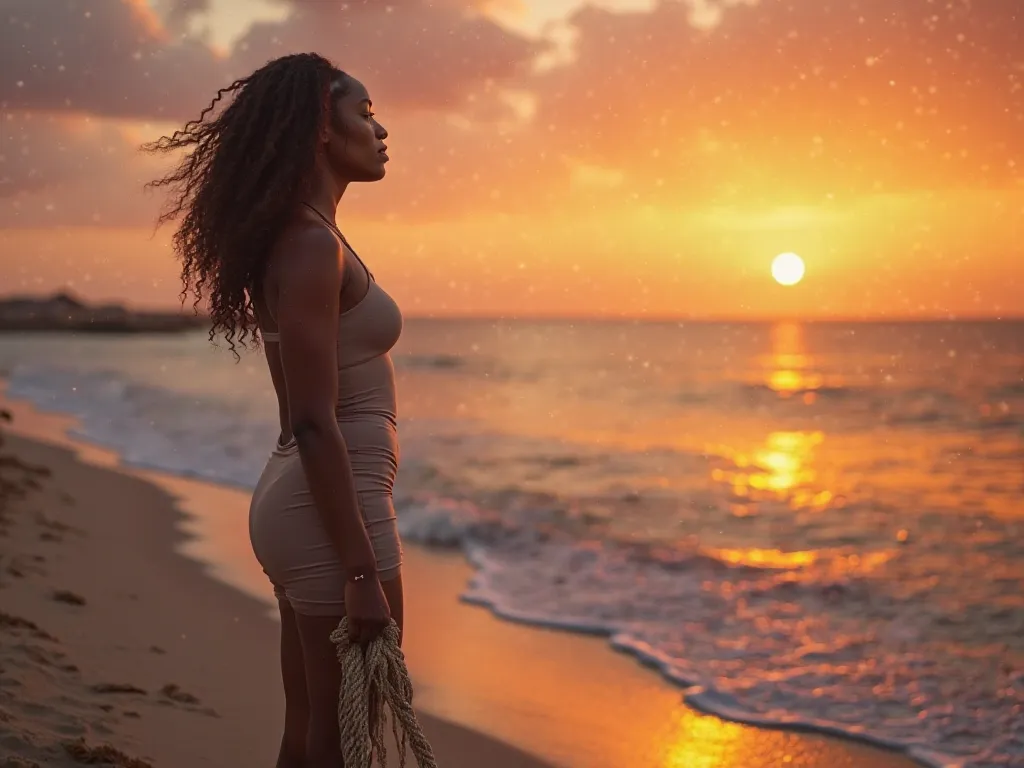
(54, 530)
(18, 762)
(17, 567)
(104, 754)
(116, 688)
(56, 698)
(173, 693)
(40, 655)
(64, 596)
(20, 651)
(9, 623)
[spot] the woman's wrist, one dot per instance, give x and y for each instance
(356, 573)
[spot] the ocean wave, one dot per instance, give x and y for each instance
(1009, 389)
(431, 362)
(806, 642)
(847, 407)
(224, 441)
(803, 385)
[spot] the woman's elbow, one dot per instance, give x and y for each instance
(311, 430)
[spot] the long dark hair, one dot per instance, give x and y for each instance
(242, 173)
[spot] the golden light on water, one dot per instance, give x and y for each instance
(788, 269)
(766, 558)
(785, 462)
(782, 468)
(790, 368)
(702, 741)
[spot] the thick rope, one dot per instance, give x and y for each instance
(371, 680)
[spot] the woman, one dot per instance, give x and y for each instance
(259, 188)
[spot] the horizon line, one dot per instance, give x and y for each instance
(722, 320)
(948, 317)
(727, 319)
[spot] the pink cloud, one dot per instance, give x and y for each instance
(410, 54)
(116, 58)
(72, 171)
(779, 102)
(106, 57)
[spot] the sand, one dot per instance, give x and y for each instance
(133, 615)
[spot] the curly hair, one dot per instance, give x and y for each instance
(242, 173)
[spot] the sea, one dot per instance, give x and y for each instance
(814, 525)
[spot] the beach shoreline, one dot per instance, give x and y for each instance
(568, 699)
(118, 650)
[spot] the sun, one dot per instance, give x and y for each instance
(788, 269)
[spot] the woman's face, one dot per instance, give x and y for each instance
(354, 139)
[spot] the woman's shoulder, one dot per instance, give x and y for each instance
(306, 250)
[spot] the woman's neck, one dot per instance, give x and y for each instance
(325, 194)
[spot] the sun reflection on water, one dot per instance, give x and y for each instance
(765, 558)
(695, 740)
(781, 468)
(835, 561)
(790, 368)
(702, 742)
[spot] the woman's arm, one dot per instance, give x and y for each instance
(309, 279)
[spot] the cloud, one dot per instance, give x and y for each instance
(46, 149)
(78, 171)
(432, 70)
(782, 98)
(106, 57)
(769, 103)
(180, 12)
(424, 62)
(410, 53)
(118, 58)
(73, 171)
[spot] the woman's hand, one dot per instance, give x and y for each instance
(366, 607)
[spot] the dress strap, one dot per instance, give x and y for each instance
(334, 228)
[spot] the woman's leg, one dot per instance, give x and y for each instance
(323, 681)
(323, 678)
(296, 697)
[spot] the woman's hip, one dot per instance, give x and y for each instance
(286, 529)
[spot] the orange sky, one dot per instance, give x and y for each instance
(628, 158)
